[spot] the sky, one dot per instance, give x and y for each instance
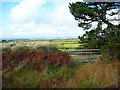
(37, 19)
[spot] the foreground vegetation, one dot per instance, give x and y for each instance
(44, 66)
(58, 73)
(53, 69)
(22, 64)
(96, 75)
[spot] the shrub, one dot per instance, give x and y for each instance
(44, 48)
(12, 45)
(41, 48)
(49, 60)
(5, 41)
(20, 48)
(6, 49)
(52, 49)
(35, 60)
(12, 59)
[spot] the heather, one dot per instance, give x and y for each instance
(43, 66)
(36, 69)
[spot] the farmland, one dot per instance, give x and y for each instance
(60, 44)
(48, 64)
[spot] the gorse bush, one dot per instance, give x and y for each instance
(35, 59)
(52, 49)
(41, 48)
(44, 48)
(5, 49)
(20, 48)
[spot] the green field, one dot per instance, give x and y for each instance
(63, 44)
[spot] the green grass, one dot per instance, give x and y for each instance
(23, 77)
(28, 78)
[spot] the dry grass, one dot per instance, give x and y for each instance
(95, 75)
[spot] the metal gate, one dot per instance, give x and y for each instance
(84, 55)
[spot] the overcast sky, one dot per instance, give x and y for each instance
(38, 18)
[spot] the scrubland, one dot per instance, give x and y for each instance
(44, 64)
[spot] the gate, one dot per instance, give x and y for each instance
(84, 55)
